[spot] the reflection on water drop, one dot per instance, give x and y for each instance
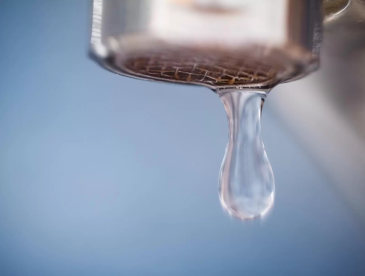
(246, 182)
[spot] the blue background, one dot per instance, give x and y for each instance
(104, 175)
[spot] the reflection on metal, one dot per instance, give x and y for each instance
(333, 8)
(96, 25)
(96, 31)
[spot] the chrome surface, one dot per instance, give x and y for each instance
(211, 43)
(334, 8)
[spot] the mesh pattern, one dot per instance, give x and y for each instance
(202, 69)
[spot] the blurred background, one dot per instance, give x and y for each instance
(105, 175)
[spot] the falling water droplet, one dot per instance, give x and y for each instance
(246, 182)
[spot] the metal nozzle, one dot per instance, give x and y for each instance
(216, 43)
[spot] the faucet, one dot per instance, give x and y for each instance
(255, 44)
(215, 43)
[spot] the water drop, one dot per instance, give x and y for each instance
(246, 181)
